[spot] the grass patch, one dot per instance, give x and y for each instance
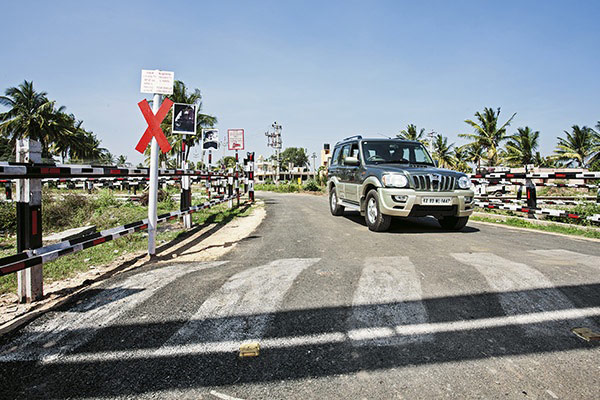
(521, 223)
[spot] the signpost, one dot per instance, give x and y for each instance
(158, 83)
(235, 139)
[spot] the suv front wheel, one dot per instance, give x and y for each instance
(334, 203)
(376, 221)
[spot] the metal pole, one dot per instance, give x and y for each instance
(153, 193)
(30, 281)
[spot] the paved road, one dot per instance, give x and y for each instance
(340, 312)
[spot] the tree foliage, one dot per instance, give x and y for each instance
(294, 155)
(488, 134)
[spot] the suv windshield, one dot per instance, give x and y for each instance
(394, 151)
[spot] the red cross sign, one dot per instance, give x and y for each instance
(154, 126)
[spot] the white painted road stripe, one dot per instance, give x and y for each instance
(54, 337)
(339, 337)
(239, 310)
(388, 294)
(516, 284)
(569, 256)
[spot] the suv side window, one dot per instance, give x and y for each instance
(354, 150)
(335, 157)
(345, 153)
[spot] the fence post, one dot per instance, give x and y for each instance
(29, 221)
(230, 187)
(186, 198)
(531, 196)
(251, 177)
(8, 190)
(237, 184)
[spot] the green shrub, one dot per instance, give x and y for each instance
(312, 186)
(8, 217)
(64, 212)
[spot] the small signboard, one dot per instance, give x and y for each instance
(235, 139)
(156, 81)
(184, 119)
(210, 138)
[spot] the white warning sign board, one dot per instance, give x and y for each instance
(157, 81)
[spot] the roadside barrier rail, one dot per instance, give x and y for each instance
(13, 170)
(538, 175)
(538, 211)
(42, 255)
(505, 182)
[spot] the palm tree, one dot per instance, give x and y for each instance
(411, 133)
(521, 147)
(487, 133)
(581, 145)
(442, 152)
(181, 95)
(122, 161)
(31, 114)
(461, 158)
(475, 153)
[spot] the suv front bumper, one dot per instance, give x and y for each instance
(413, 206)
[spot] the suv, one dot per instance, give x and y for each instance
(383, 178)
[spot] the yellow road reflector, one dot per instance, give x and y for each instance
(586, 334)
(249, 350)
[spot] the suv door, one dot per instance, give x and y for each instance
(352, 184)
(343, 171)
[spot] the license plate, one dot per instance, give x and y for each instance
(436, 201)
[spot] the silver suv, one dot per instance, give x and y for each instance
(383, 178)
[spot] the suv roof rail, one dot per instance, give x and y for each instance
(352, 137)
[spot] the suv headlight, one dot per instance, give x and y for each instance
(395, 180)
(464, 182)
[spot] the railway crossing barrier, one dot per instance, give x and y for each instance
(223, 187)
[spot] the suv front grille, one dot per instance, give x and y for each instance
(434, 182)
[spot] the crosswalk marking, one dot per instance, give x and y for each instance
(387, 309)
(240, 309)
(567, 256)
(522, 290)
(388, 295)
(70, 329)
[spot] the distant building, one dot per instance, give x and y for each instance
(265, 170)
(325, 156)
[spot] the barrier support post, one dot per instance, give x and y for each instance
(29, 222)
(230, 188)
(8, 190)
(186, 198)
(531, 196)
(251, 177)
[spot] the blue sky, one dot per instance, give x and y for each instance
(323, 69)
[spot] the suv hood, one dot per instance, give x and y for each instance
(401, 168)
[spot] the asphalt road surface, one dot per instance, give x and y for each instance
(340, 312)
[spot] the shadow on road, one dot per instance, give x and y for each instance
(459, 328)
(410, 225)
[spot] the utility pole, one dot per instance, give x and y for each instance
(314, 157)
(431, 136)
(274, 140)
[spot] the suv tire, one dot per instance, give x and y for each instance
(334, 203)
(375, 220)
(453, 223)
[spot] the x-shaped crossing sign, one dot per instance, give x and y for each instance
(154, 126)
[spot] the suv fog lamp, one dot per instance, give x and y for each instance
(400, 199)
(468, 199)
(395, 180)
(464, 182)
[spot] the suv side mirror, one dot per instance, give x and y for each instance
(351, 161)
